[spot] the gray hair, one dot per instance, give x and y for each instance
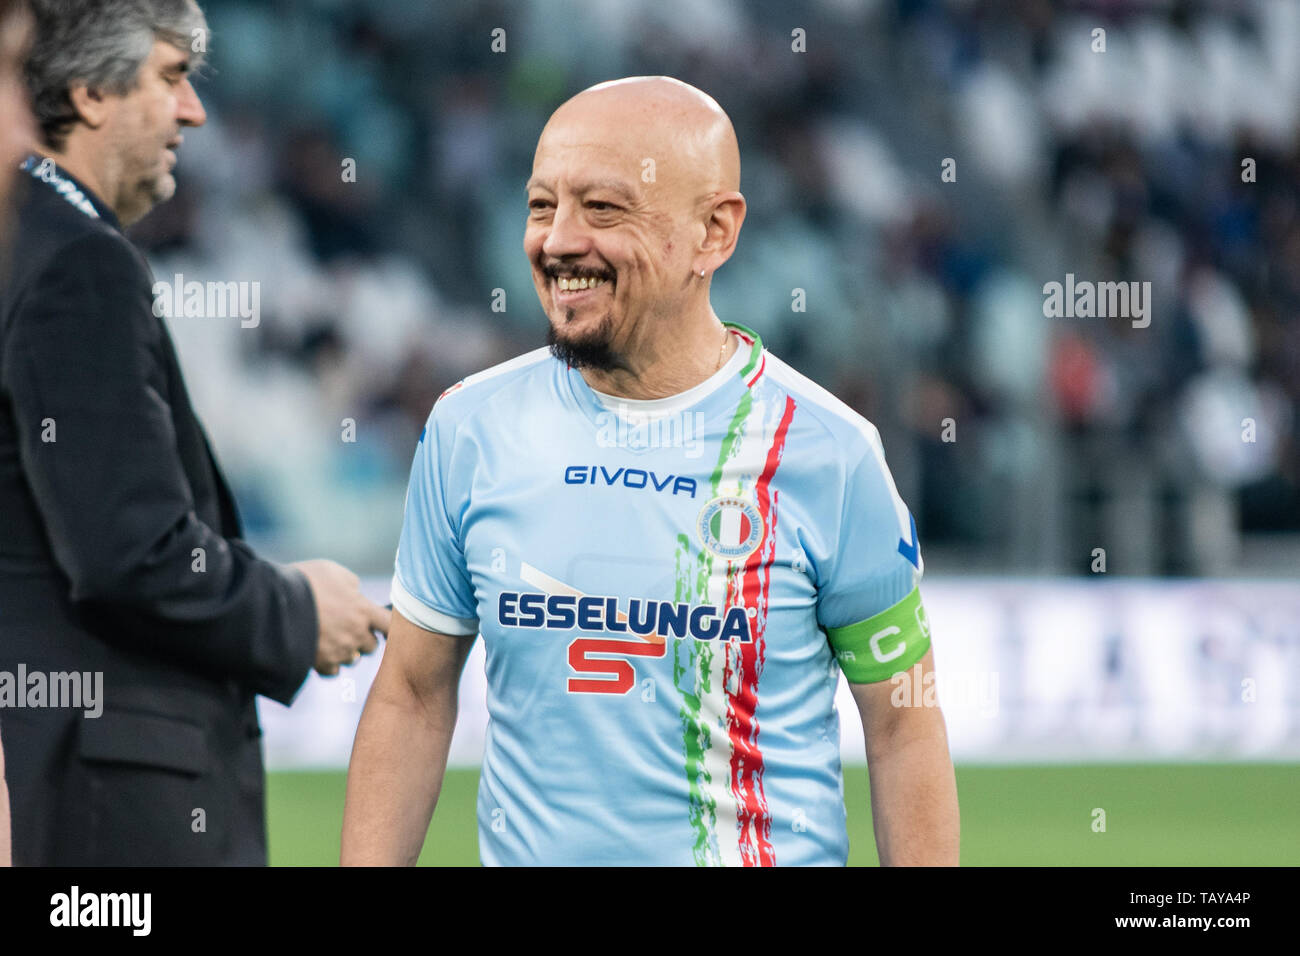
(101, 43)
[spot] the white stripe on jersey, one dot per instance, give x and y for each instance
(544, 582)
(429, 618)
(519, 361)
(730, 530)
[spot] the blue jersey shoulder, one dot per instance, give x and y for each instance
(847, 432)
(470, 394)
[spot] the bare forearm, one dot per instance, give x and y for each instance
(398, 761)
(914, 797)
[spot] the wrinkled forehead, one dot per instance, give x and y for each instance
(576, 148)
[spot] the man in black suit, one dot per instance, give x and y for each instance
(120, 548)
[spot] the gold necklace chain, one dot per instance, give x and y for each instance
(725, 339)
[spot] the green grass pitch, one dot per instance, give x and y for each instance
(1156, 815)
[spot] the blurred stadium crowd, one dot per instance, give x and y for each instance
(924, 298)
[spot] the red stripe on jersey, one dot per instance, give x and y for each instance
(742, 724)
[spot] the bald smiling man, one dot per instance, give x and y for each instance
(672, 544)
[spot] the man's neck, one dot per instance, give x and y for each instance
(678, 358)
(80, 164)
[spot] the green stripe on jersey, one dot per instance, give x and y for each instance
(755, 350)
(881, 646)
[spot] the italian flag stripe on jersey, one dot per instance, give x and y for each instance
(731, 526)
(719, 682)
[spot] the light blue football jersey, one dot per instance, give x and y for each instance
(655, 583)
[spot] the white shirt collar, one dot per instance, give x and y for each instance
(649, 409)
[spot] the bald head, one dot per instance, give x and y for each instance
(682, 129)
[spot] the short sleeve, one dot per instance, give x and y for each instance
(870, 603)
(431, 582)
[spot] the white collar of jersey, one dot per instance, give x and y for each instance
(650, 409)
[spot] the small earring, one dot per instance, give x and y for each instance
(701, 273)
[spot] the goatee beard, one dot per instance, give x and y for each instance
(591, 351)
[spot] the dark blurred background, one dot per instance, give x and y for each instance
(924, 298)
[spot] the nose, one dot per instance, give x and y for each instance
(567, 236)
(189, 110)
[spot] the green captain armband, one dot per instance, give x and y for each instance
(881, 646)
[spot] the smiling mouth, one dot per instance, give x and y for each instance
(568, 289)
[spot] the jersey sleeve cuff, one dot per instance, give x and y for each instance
(881, 646)
(431, 619)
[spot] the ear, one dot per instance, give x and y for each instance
(91, 104)
(724, 215)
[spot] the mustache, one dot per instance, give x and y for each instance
(555, 269)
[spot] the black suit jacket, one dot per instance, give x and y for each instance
(102, 533)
